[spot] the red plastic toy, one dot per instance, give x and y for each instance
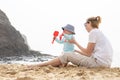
(55, 34)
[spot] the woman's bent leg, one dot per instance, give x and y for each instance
(78, 59)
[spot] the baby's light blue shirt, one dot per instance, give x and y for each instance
(68, 47)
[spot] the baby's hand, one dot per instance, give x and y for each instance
(54, 38)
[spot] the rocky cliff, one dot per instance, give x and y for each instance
(11, 41)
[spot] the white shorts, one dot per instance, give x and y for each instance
(79, 60)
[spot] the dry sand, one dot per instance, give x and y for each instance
(71, 72)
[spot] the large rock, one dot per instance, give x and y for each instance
(12, 43)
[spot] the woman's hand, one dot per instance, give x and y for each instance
(72, 41)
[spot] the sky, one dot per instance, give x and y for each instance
(38, 19)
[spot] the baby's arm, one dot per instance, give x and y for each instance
(60, 41)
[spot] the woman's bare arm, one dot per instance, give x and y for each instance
(84, 51)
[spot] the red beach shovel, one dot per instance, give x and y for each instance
(55, 34)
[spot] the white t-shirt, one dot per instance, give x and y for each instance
(103, 50)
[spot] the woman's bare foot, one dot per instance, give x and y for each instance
(64, 65)
(31, 67)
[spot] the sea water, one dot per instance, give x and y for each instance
(25, 60)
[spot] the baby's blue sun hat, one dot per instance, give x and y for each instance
(69, 28)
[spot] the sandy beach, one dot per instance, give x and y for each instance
(71, 72)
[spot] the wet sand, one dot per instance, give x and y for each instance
(71, 72)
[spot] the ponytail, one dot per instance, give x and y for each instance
(95, 21)
(98, 18)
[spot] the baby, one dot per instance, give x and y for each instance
(68, 33)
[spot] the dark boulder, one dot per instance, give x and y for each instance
(11, 41)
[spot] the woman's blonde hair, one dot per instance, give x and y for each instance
(95, 21)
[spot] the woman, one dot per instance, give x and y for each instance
(97, 54)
